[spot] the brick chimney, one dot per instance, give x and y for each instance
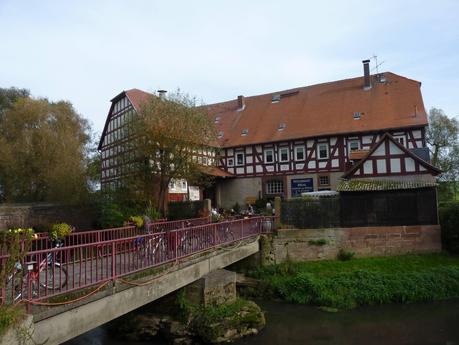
(240, 103)
(366, 75)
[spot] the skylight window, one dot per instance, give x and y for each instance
(244, 132)
(357, 115)
(276, 98)
(282, 126)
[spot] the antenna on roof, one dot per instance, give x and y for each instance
(375, 57)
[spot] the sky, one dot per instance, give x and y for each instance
(87, 52)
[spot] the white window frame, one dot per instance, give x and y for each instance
(398, 137)
(266, 155)
(243, 158)
(318, 150)
(280, 154)
(275, 187)
(353, 141)
(297, 148)
(322, 184)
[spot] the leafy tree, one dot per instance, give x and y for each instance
(9, 96)
(43, 146)
(170, 133)
(442, 135)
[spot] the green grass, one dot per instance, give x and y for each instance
(366, 281)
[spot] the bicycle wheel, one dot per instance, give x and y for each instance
(53, 276)
(14, 288)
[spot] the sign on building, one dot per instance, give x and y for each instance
(193, 193)
(301, 185)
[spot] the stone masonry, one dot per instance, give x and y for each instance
(302, 245)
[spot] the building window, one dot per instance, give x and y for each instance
(269, 156)
(322, 150)
(172, 185)
(230, 162)
(239, 159)
(283, 154)
(354, 145)
(357, 115)
(400, 139)
(324, 180)
(275, 187)
(275, 98)
(184, 186)
(299, 153)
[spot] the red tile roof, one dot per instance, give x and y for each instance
(214, 171)
(322, 109)
(316, 110)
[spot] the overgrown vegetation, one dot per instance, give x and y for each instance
(184, 210)
(345, 255)
(367, 281)
(449, 221)
(318, 242)
(9, 316)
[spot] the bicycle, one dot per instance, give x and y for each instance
(48, 274)
(153, 248)
(228, 234)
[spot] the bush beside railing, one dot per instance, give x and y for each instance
(449, 221)
(184, 210)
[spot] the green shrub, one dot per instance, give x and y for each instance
(184, 209)
(59, 231)
(318, 242)
(449, 221)
(345, 255)
(111, 216)
(151, 212)
(236, 208)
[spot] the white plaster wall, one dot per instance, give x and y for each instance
(237, 190)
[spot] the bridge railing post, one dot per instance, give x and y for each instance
(113, 260)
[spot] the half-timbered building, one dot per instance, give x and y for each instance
(305, 139)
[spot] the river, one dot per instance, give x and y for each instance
(418, 324)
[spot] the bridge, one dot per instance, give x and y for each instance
(97, 276)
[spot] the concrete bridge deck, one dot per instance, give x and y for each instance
(59, 324)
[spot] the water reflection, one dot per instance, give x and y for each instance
(430, 323)
(416, 324)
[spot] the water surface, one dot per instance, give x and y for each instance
(415, 324)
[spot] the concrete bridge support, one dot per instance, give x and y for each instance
(218, 287)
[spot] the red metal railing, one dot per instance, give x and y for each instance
(177, 224)
(82, 237)
(50, 272)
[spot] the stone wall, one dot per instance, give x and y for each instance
(303, 245)
(43, 214)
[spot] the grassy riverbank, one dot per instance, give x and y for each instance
(366, 281)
